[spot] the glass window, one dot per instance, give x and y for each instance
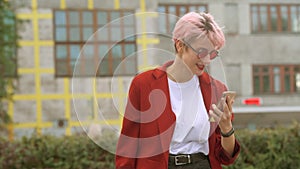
(102, 18)
(128, 33)
(263, 18)
(74, 34)
(256, 84)
(115, 34)
(172, 12)
(103, 50)
(60, 18)
(129, 49)
(74, 51)
(294, 19)
(74, 18)
(61, 34)
(117, 52)
(77, 26)
(297, 77)
(287, 83)
(275, 18)
(276, 72)
(88, 51)
(284, 18)
(255, 22)
(87, 33)
(282, 79)
(87, 18)
(102, 34)
(104, 67)
(61, 51)
(266, 82)
(61, 68)
(128, 19)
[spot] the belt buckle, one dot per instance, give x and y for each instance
(183, 155)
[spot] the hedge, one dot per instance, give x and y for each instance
(277, 148)
(49, 152)
(261, 149)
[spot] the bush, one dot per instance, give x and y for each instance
(269, 148)
(261, 149)
(48, 152)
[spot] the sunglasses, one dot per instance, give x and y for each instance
(203, 52)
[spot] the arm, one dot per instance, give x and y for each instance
(226, 149)
(128, 141)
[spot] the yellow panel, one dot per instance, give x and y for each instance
(63, 4)
(90, 4)
(120, 99)
(33, 70)
(146, 40)
(147, 14)
(67, 104)
(117, 4)
(142, 5)
(26, 16)
(10, 126)
(34, 4)
(34, 125)
(32, 43)
(88, 122)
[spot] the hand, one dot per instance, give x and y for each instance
(222, 114)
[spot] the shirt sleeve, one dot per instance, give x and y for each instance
(126, 151)
(221, 154)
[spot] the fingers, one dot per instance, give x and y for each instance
(215, 114)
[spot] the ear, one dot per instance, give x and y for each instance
(179, 46)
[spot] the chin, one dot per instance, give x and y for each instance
(199, 72)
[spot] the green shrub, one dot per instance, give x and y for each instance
(47, 152)
(269, 149)
(261, 149)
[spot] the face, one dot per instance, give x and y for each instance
(195, 61)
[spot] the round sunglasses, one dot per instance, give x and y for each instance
(203, 52)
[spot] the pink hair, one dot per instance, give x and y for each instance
(193, 25)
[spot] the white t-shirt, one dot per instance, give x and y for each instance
(192, 125)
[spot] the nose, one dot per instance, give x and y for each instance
(206, 60)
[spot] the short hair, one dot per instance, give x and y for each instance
(193, 25)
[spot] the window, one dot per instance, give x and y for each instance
(271, 79)
(173, 11)
(8, 44)
(275, 18)
(110, 45)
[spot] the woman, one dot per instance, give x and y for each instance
(166, 122)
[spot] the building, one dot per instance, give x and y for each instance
(70, 50)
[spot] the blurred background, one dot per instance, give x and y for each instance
(66, 65)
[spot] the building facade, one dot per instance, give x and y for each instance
(77, 57)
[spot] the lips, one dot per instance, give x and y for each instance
(201, 67)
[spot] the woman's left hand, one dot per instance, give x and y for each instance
(222, 114)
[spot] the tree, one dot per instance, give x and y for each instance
(8, 63)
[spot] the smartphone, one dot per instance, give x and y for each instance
(230, 94)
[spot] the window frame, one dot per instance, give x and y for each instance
(279, 18)
(177, 9)
(271, 76)
(82, 70)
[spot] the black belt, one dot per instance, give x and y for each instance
(183, 159)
